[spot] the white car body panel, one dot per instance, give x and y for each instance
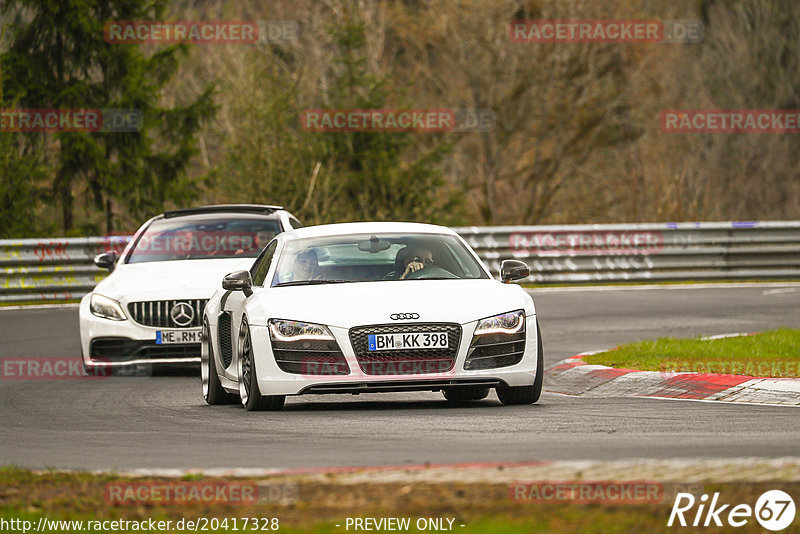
(353, 304)
(343, 306)
(154, 281)
(174, 280)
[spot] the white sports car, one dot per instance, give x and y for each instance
(370, 307)
(149, 309)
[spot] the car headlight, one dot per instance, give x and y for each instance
(283, 330)
(106, 308)
(505, 323)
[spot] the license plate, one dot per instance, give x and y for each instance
(412, 340)
(169, 337)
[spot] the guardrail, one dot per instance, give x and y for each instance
(62, 269)
(52, 268)
(642, 252)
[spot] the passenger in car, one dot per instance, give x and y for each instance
(306, 266)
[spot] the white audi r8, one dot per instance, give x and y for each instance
(370, 307)
(149, 309)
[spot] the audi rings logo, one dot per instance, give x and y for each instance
(403, 316)
(182, 314)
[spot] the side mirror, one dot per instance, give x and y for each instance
(238, 281)
(106, 260)
(511, 270)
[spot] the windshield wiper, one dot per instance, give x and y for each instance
(310, 282)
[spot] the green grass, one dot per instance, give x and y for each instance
(320, 505)
(775, 353)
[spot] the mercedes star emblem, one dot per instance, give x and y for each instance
(182, 314)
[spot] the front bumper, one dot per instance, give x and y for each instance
(107, 343)
(273, 381)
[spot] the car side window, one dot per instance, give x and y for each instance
(295, 223)
(261, 268)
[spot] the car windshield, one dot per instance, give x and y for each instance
(203, 238)
(375, 257)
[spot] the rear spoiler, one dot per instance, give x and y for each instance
(218, 208)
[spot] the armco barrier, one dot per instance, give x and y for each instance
(641, 252)
(52, 268)
(61, 268)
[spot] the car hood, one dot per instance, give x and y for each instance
(169, 279)
(352, 304)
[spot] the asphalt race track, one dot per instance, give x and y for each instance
(163, 422)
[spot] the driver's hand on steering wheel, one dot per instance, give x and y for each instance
(412, 267)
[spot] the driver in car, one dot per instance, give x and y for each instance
(180, 244)
(261, 239)
(418, 259)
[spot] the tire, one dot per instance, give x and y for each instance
(511, 396)
(249, 393)
(213, 392)
(465, 394)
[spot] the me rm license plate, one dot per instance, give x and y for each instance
(170, 337)
(412, 340)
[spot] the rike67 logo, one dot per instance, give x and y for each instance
(774, 510)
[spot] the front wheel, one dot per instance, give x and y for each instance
(213, 392)
(526, 394)
(249, 393)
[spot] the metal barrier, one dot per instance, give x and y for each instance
(61, 268)
(641, 252)
(52, 268)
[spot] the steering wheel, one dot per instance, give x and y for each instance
(430, 272)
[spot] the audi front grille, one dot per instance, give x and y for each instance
(405, 361)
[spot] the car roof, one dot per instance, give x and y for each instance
(329, 230)
(263, 209)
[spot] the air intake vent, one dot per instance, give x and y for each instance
(224, 335)
(310, 357)
(491, 351)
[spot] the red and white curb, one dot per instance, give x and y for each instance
(573, 376)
